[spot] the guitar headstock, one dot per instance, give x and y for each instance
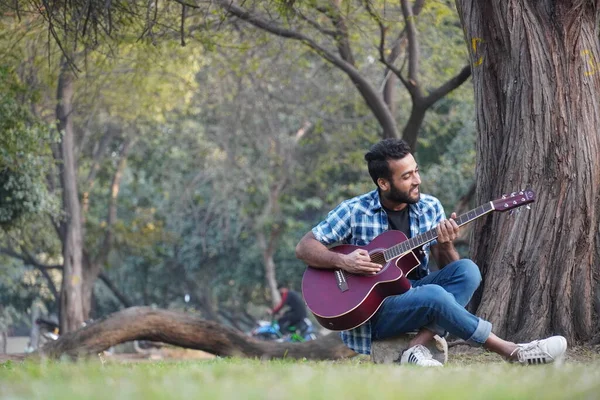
(514, 200)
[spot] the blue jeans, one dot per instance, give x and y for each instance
(436, 302)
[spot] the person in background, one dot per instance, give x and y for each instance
(291, 309)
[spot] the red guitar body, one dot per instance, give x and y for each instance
(341, 301)
(338, 306)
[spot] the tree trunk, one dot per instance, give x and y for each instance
(185, 330)
(91, 271)
(71, 310)
(268, 250)
(3, 341)
(536, 75)
(411, 130)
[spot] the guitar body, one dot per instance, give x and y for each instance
(341, 301)
(341, 306)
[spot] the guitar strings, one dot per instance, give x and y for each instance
(378, 258)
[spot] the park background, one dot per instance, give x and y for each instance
(170, 154)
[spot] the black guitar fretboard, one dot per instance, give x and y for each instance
(420, 240)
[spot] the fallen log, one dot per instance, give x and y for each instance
(184, 330)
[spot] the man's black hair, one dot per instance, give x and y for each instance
(380, 153)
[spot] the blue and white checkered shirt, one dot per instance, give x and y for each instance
(358, 221)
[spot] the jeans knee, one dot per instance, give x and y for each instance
(434, 296)
(470, 272)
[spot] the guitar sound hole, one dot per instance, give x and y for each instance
(378, 258)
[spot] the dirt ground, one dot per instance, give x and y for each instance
(464, 354)
(461, 354)
(458, 354)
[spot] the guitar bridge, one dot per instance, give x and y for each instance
(341, 280)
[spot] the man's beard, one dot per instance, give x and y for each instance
(401, 197)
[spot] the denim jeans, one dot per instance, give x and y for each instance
(436, 302)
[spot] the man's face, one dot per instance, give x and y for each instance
(403, 188)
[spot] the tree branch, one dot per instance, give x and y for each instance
(316, 25)
(112, 207)
(341, 32)
(51, 284)
(449, 86)
(371, 96)
(28, 258)
(126, 301)
(188, 331)
(186, 4)
(382, 58)
(413, 44)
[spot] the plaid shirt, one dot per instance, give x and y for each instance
(358, 221)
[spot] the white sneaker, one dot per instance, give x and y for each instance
(419, 355)
(541, 351)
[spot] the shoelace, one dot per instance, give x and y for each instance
(532, 353)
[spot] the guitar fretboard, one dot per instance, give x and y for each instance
(420, 240)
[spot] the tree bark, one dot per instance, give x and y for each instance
(71, 309)
(185, 330)
(268, 251)
(536, 75)
(411, 130)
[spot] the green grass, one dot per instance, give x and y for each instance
(287, 379)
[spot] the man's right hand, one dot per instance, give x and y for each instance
(359, 262)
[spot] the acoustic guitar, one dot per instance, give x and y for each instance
(340, 300)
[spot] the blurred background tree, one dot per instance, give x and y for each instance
(198, 167)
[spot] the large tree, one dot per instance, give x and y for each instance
(536, 76)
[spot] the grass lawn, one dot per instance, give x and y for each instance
(468, 375)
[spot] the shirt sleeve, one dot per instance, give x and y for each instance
(439, 212)
(435, 215)
(336, 227)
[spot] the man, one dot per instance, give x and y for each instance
(294, 310)
(436, 302)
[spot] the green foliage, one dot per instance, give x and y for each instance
(451, 178)
(448, 119)
(213, 129)
(19, 289)
(25, 155)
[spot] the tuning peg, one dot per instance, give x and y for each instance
(528, 207)
(504, 196)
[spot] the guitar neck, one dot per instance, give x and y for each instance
(420, 240)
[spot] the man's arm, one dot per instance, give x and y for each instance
(444, 251)
(317, 255)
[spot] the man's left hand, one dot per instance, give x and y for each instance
(447, 230)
